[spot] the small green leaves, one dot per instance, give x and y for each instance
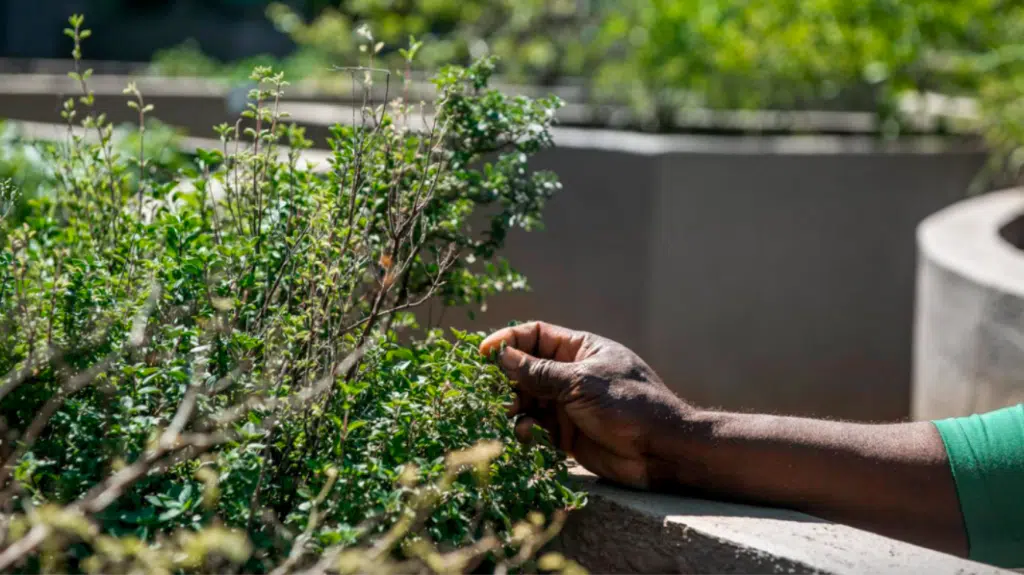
(8, 197)
(409, 54)
(77, 34)
(551, 562)
(233, 298)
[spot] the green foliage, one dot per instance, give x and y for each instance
(8, 197)
(660, 56)
(718, 53)
(25, 164)
(202, 363)
(536, 40)
(785, 54)
(23, 167)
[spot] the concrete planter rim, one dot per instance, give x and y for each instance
(928, 117)
(967, 239)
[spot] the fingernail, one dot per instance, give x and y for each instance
(509, 361)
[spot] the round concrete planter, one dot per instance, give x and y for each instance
(969, 333)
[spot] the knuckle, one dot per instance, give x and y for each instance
(547, 376)
(577, 373)
(540, 370)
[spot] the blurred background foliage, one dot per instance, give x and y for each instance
(24, 164)
(961, 62)
(717, 53)
(539, 41)
(656, 56)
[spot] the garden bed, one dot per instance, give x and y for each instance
(221, 383)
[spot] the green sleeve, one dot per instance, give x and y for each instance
(986, 454)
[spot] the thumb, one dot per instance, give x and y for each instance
(541, 378)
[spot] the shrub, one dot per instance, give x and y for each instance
(24, 164)
(204, 371)
(21, 167)
(825, 54)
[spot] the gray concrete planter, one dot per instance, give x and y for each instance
(753, 272)
(969, 337)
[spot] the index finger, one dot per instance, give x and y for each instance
(538, 339)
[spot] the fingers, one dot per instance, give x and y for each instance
(524, 429)
(536, 358)
(539, 339)
(539, 378)
(530, 424)
(523, 404)
(514, 407)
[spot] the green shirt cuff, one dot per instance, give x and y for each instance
(986, 455)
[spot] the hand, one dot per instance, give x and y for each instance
(599, 402)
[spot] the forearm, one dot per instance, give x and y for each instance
(891, 479)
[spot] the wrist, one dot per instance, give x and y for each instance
(680, 454)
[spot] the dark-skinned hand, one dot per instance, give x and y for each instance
(599, 402)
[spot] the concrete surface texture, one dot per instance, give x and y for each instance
(757, 273)
(623, 531)
(969, 337)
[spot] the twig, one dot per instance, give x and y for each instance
(278, 274)
(298, 547)
(101, 496)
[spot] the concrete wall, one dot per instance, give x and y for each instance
(969, 341)
(753, 274)
(757, 273)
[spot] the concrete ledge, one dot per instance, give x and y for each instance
(623, 531)
(923, 113)
(969, 336)
(316, 160)
(317, 117)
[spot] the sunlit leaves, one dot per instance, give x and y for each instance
(239, 283)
